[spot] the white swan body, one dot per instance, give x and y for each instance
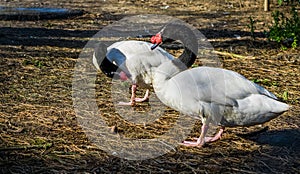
(137, 58)
(134, 59)
(215, 95)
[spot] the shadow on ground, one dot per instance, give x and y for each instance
(78, 38)
(288, 138)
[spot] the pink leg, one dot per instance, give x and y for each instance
(216, 137)
(146, 97)
(132, 99)
(200, 141)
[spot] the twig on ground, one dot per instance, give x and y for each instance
(233, 55)
(47, 145)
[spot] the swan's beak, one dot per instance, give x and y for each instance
(123, 76)
(154, 46)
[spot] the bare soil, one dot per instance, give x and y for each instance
(38, 125)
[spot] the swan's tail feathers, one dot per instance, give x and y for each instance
(261, 103)
(258, 109)
(261, 107)
(280, 107)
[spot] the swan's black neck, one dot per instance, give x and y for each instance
(188, 57)
(184, 34)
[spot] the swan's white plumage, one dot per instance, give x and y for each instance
(222, 96)
(137, 58)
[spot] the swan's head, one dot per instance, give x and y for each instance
(101, 62)
(175, 31)
(157, 39)
(110, 69)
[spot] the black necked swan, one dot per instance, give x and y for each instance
(214, 95)
(135, 59)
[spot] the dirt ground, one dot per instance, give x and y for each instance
(38, 125)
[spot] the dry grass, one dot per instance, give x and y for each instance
(39, 129)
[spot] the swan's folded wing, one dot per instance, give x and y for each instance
(224, 86)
